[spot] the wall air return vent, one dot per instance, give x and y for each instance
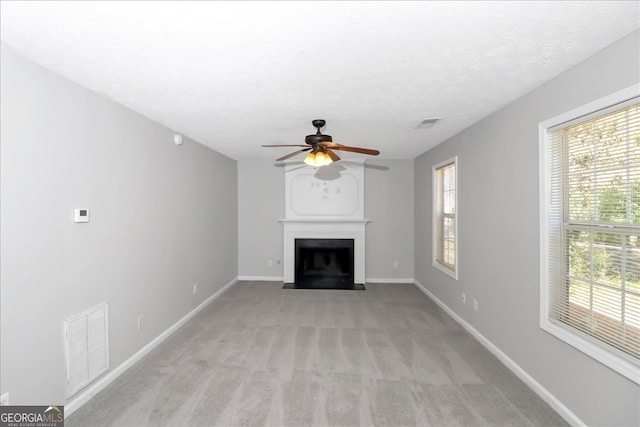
(87, 347)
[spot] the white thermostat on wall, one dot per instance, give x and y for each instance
(81, 215)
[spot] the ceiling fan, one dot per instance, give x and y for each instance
(322, 148)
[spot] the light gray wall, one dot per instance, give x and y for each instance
(388, 204)
(499, 236)
(163, 217)
(260, 206)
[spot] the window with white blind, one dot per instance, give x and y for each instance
(445, 225)
(590, 229)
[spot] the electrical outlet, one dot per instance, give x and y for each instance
(195, 288)
(395, 264)
(270, 263)
(140, 321)
(464, 298)
(475, 305)
(4, 399)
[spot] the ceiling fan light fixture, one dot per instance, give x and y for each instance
(318, 159)
(310, 159)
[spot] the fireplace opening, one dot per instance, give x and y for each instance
(324, 264)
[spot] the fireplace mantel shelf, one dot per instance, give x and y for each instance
(327, 220)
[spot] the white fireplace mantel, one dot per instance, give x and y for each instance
(324, 229)
(324, 203)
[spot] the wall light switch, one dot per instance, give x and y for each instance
(81, 215)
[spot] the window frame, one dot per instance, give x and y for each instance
(616, 360)
(438, 217)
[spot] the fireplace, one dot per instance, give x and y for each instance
(300, 233)
(324, 263)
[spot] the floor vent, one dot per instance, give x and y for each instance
(87, 347)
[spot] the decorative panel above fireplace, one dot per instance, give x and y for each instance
(331, 192)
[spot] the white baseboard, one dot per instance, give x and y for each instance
(544, 394)
(261, 278)
(99, 385)
(376, 280)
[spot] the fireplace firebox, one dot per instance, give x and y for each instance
(324, 264)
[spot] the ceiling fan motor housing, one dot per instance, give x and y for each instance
(318, 137)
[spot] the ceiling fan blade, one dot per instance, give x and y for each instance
(356, 150)
(328, 144)
(294, 153)
(281, 145)
(331, 154)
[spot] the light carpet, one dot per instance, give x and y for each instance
(260, 355)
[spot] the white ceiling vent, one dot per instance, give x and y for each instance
(428, 123)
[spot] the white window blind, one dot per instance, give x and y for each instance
(593, 228)
(444, 217)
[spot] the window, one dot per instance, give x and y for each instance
(445, 226)
(590, 230)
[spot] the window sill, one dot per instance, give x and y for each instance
(448, 271)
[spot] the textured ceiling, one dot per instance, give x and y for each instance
(235, 75)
